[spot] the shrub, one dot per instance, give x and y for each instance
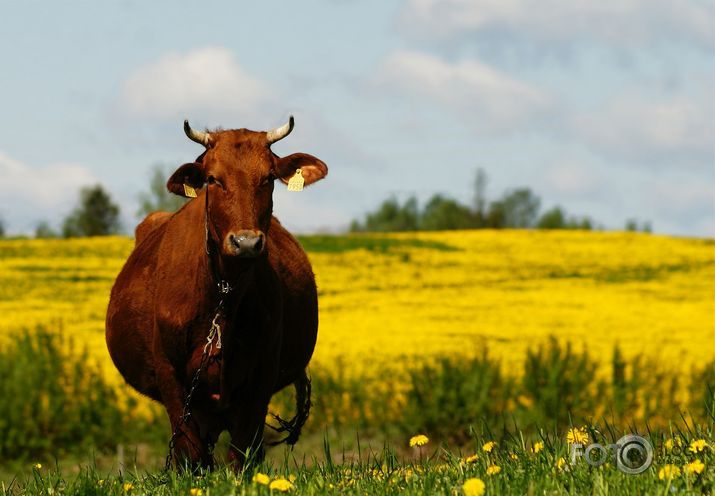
(560, 384)
(448, 397)
(53, 397)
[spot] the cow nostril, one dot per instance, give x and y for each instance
(258, 247)
(235, 242)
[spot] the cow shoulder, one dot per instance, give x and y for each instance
(149, 224)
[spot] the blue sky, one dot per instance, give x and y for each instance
(606, 107)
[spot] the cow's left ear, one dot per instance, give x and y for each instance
(312, 169)
(191, 175)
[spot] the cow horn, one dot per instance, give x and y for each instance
(198, 136)
(280, 132)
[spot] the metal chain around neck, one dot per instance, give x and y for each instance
(224, 288)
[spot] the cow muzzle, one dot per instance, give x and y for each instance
(246, 243)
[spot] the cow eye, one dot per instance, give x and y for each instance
(213, 180)
(268, 180)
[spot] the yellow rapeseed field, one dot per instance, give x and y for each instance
(418, 295)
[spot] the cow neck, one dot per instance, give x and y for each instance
(222, 285)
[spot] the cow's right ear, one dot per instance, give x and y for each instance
(187, 179)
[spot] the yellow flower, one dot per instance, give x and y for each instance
(100, 482)
(671, 443)
(260, 478)
(493, 469)
(537, 447)
(561, 463)
(195, 491)
(281, 485)
(472, 458)
(292, 478)
(418, 440)
(473, 487)
(127, 486)
(37, 466)
(694, 467)
(698, 445)
(577, 435)
(489, 447)
(513, 456)
(668, 472)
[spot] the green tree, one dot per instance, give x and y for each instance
(633, 225)
(521, 208)
(44, 230)
(391, 216)
(96, 215)
(158, 197)
(2, 228)
(585, 224)
(554, 218)
(495, 215)
(446, 213)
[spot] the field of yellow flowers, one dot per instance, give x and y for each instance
(421, 295)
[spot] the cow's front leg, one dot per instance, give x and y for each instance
(246, 429)
(248, 417)
(188, 446)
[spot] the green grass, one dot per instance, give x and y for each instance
(369, 242)
(427, 470)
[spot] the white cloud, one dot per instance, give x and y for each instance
(206, 82)
(488, 99)
(34, 193)
(658, 129)
(635, 23)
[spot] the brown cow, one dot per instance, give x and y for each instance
(222, 257)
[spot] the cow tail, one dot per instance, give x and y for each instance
(303, 403)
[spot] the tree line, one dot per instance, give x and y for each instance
(96, 213)
(517, 208)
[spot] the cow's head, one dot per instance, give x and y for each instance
(239, 169)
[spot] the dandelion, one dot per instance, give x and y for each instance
(37, 466)
(698, 445)
(473, 487)
(282, 485)
(127, 486)
(260, 478)
(537, 447)
(292, 478)
(493, 469)
(100, 482)
(513, 456)
(195, 491)
(671, 443)
(577, 435)
(694, 467)
(668, 472)
(525, 401)
(418, 440)
(561, 463)
(472, 458)
(489, 447)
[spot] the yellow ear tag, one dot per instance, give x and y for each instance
(296, 182)
(189, 192)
